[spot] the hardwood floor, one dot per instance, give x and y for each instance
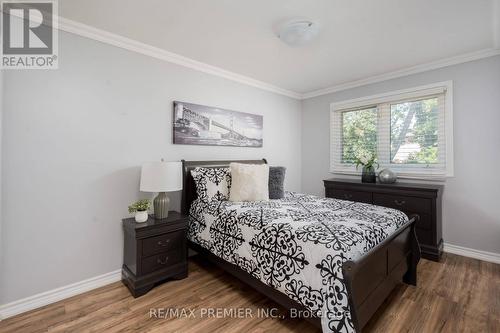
(456, 295)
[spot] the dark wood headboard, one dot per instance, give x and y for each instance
(189, 187)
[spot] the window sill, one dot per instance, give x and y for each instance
(418, 177)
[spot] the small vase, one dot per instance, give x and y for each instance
(141, 216)
(368, 175)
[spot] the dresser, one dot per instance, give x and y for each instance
(422, 199)
(154, 251)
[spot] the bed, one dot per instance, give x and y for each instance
(333, 261)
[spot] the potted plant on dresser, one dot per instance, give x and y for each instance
(368, 161)
(140, 208)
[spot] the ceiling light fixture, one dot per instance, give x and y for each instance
(297, 32)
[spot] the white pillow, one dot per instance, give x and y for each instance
(249, 182)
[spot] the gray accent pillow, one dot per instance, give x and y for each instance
(276, 182)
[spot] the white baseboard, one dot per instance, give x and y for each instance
(55, 295)
(471, 253)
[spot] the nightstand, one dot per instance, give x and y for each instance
(154, 251)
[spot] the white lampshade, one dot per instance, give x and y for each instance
(161, 177)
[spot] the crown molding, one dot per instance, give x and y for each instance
(106, 37)
(405, 72)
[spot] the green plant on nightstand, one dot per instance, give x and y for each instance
(140, 208)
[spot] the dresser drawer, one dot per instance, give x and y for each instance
(404, 203)
(162, 243)
(162, 261)
(349, 195)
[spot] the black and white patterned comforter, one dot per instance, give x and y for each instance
(296, 245)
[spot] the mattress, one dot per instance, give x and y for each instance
(296, 245)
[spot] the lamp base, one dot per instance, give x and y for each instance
(161, 205)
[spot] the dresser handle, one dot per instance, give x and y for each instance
(162, 262)
(399, 203)
(162, 243)
(347, 196)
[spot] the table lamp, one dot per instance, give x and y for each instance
(161, 177)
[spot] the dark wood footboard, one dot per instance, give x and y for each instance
(371, 279)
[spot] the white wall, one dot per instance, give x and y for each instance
(74, 139)
(471, 212)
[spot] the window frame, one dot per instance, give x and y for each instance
(409, 171)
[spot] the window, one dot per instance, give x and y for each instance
(359, 133)
(409, 131)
